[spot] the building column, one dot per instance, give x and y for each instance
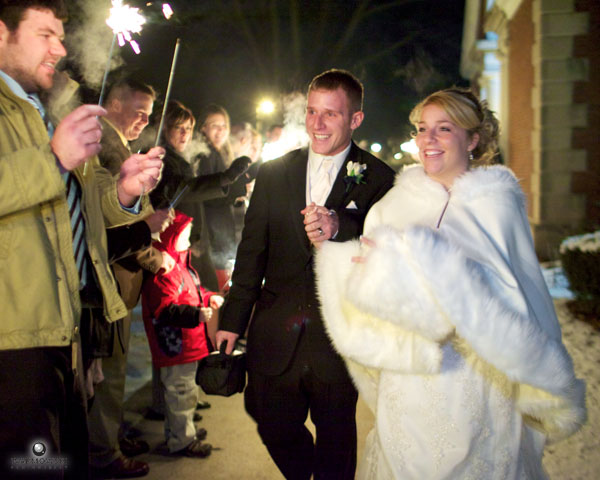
(555, 211)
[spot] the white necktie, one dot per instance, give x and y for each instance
(322, 186)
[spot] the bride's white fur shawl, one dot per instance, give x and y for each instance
(475, 278)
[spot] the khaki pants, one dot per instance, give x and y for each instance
(181, 395)
(106, 414)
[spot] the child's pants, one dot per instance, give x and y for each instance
(181, 396)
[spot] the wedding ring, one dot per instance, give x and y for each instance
(320, 230)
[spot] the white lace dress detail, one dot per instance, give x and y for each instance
(459, 424)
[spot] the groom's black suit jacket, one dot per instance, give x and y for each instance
(274, 247)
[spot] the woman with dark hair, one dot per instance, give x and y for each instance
(184, 185)
(443, 317)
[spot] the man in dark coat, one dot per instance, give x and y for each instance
(300, 200)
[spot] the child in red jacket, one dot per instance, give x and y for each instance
(176, 308)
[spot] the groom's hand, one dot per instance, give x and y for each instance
(320, 223)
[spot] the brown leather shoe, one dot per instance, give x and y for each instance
(196, 449)
(131, 447)
(122, 467)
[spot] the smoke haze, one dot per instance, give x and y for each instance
(88, 41)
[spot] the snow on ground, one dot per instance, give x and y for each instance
(578, 457)
(556, 281)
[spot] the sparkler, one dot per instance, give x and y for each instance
(122, 20)
(175, 200)
(168, 93)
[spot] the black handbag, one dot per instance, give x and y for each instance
(222, 374)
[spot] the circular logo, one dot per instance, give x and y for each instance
(39, 449)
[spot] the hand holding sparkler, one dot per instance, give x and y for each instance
(77, 136)
(160, 220)
(139, 174)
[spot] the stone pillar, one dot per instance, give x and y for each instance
(555, 211)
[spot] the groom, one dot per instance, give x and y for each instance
(299, 201)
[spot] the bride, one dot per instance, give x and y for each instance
(442, 315)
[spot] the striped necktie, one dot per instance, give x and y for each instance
(77, 224)
(73, 201)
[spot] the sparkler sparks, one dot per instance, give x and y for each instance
(167, 10)
(124, 21)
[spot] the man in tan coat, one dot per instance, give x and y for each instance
(45, 187)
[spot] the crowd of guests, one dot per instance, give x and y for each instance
(179, 277)
(439, 316)
(80, 175)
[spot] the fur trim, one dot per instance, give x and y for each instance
(527, 355)
(414, 181)
(501, 336)
(558, 417)
(495, 180)
(382, 287)
(358, 335)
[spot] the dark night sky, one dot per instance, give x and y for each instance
(235, 51)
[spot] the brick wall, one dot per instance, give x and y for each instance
(587, 92)
(520, 84)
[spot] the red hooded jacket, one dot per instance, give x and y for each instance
(171, 305)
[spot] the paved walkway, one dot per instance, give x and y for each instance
(241, 455)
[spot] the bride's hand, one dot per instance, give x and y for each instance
(365, 241)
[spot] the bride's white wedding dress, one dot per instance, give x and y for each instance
(450, 334)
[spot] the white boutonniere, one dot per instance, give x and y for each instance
(355, 174)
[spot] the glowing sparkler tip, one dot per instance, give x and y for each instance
(123, 21)
(124, 18)
(167, 10)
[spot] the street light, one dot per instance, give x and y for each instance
(410, 147)
(265, 107)
(376, 147)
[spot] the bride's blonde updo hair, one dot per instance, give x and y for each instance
(468, 112)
